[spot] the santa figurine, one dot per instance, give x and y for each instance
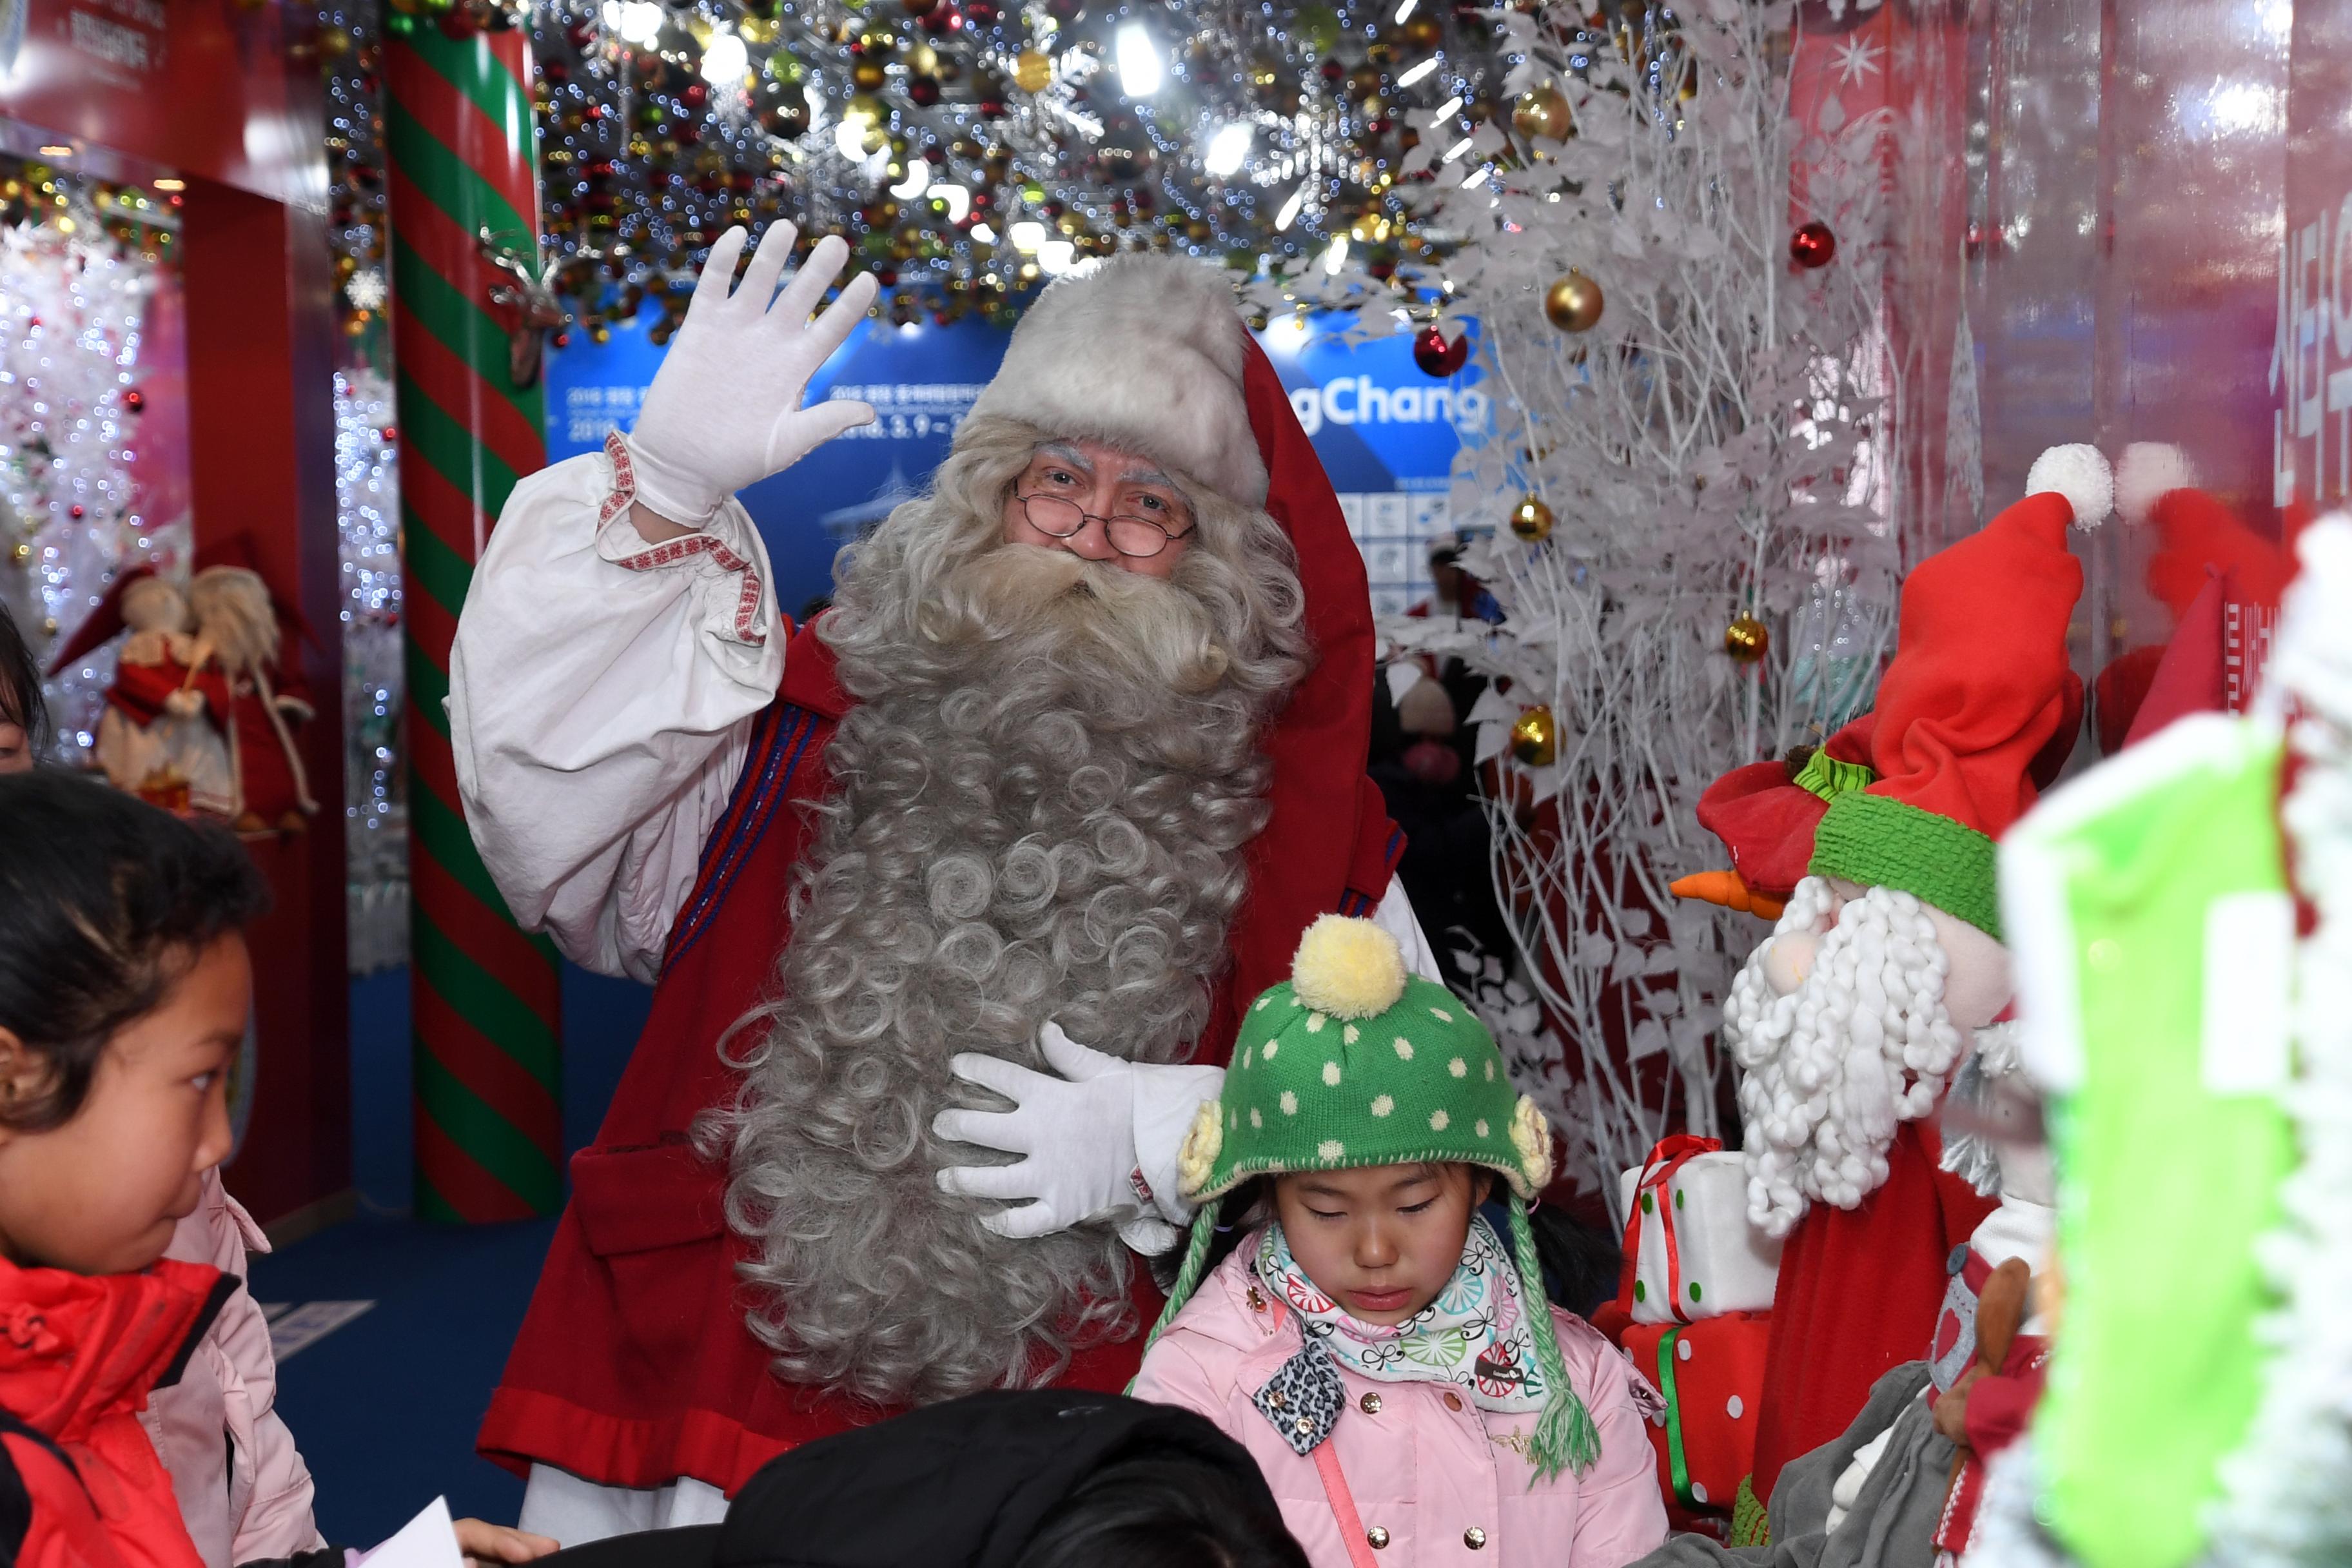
(197, 719)
(950, 898)
(1887, 966)
(156, 739)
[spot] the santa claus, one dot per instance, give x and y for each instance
(1886, 965)
(948, 896)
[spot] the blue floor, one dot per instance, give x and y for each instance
(385, 1407)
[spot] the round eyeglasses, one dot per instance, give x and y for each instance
(1137, 537)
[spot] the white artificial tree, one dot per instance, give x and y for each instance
(1706, 452)
(73, 302)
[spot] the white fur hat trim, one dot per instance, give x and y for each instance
(2080, 475)
(2148, 470)
(1144, 352)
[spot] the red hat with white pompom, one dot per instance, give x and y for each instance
(1977, 710)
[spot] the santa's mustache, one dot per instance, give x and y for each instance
(1027, 595)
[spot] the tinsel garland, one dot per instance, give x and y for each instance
(375, 806)
(969, 148)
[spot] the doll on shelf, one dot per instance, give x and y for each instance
(197, 719)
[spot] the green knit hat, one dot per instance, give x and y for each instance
(1354, 1062)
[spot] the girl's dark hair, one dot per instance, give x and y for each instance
(104, 903)
(21, 702)
(1165, 1511)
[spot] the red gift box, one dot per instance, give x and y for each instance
(1712, 1375)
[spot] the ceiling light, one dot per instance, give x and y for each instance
(725, 59)
(1337, 256)
(1449, 109)
(917, 180)
(640, 22)
(1417, 72)
(1057, 257)
(1027, 236)
(168, 183)
(1227, 148)
(1403, 11)
(55, 150)
(1290, 213)
(1140, 72)
(958, 200)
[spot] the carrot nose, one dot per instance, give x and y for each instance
(1724, 887)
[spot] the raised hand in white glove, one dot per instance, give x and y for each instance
(1079, 1133)
(724, 410)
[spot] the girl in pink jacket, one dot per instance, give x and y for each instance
(1394, 1368)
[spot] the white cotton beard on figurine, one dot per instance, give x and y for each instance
(1857, 1044)
(1042, 796)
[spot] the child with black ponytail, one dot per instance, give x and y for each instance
(124, 989)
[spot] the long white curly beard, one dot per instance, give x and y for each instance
(1834, 1067)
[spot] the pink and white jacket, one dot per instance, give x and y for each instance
(1433, 1479)
(243, 1489)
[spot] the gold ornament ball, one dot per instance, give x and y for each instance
(1531, 519)
(1573, 303)
(1535, 738)
(1542, 111)
(1746, 639)
(867, 76)
(1032, 71)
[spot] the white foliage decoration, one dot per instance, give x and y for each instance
(1708, 450)
(2287, 1493)
(72, 303)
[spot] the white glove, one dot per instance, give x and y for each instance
(724, 410)
(1079, 1133)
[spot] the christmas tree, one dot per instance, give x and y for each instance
(72, 298)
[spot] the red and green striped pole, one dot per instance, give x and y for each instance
(458, 124)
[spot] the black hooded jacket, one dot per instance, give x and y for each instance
(961, 1485)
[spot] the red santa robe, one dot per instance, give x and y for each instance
(634, 1367)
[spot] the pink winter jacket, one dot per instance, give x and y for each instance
(1445, 1481)
(243, 1488)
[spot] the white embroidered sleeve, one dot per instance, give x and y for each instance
(602, 696)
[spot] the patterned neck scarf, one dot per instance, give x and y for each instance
(1475, 1335)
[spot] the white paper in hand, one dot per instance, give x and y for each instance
(428, 1541)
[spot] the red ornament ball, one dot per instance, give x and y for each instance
(74, 511)
(1436, 356)
(134, 400)
(1813, 245)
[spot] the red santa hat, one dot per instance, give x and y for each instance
(103, 623)
(1976, 712)
(1145, 352)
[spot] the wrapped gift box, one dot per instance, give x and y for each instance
(1711, 1374)
(1694, 1254)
